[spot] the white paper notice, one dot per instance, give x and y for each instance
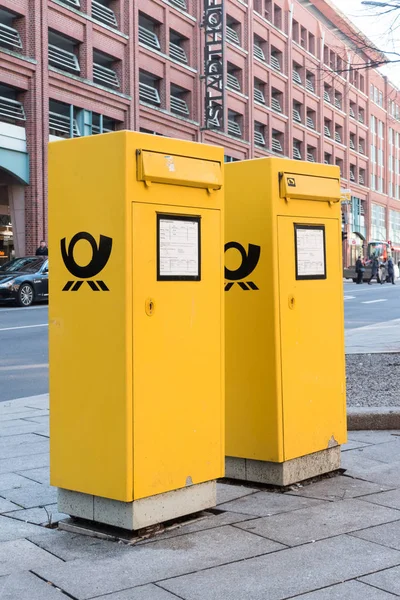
(310, 252)
(179, 248)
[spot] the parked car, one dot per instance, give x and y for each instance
(24, 280)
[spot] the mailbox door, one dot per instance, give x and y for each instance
(177, 348)
(312, 334)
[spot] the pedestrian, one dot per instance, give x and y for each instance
(359, 270)
(390, 268)
(42, 250)
(383, 271)
(374, 270)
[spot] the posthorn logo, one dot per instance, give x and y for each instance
(249, 262)
(100, 255)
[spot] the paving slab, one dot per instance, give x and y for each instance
(13, 529)
(227, 492)
(40, 475)
(168, 558)
(26, 586)
(31, 496)
(319, 522)
(29, 413)
(285, 574)
(209, 521)
(386, 535)
(12, 480)
(373, 437)
(6, 506)
(23, 428)
(385, 474)
(390, 499)
(388, 580)
(39, 447)
(386, 452)
(268, 503)
(352, 445)
(357, 465)
(40, 516)
(338, 488)
(145, 592)
(70, 546)
(17, 440)
(20, 463)
(21, 555)
(351, 590)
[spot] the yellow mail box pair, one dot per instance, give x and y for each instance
(144, 264)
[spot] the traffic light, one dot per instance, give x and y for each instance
(344, 236)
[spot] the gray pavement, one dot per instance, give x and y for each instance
(24, 354)
(335, 538)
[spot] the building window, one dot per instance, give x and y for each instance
(233, 78)
(277, 141)
(103, 70)
(394, 226)
(296, 74)
(353, 141)
(149, 88)
(328, 128)
(102, 124)
(327, 158)
(63, 120)
(297, 111)
(180, 4)
(311, 43)
(9, 36)
(277, 17)
(297, 149)
(303, 38)
(259, 134)
(102, 12)
(259, 91)
(11, 110)
(179, 101)
(361, 115)
(310, 82)
(177, 47)
(259, 48)
(276, 59)
(74, 3)
(353, 110)
(148, 32)
(352, 172)
(310, 121)
(276, 100)
(361, 177)
(338, 134)
(234, 123)
(232, 31)
(311, 153)
(295, 31)
(327, 93)
(338, 100)
(229, 159)
(63, 53)
(339, 163)
(378, 222)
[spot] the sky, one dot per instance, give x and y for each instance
(382, 30)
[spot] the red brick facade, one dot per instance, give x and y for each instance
(326, 108)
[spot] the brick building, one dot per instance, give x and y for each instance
(296, 85)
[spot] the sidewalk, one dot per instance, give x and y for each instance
(334, 539)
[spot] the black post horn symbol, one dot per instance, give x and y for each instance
(100, 256)
(249, 262)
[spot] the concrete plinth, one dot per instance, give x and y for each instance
(286, 473)
(140, 513)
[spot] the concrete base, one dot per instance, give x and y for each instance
(286, 473)
(140, 513)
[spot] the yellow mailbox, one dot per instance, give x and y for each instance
(136, 327)
(285, 366)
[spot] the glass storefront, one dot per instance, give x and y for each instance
(6, 239)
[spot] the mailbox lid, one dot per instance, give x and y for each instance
(297, 186)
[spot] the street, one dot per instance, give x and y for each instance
(23, 335)
(24, 356)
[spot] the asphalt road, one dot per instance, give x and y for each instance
(24, 331)
(369, 304)
(23, 352)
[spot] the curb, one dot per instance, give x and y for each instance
(373, 418)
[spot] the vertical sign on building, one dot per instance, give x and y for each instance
(214, 30)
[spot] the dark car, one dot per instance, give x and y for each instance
(25, 280)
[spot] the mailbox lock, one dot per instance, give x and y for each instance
(149, 307)
(291, 302)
